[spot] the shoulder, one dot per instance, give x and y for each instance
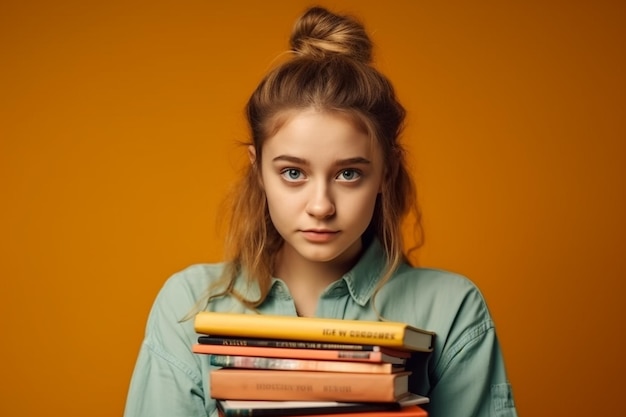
(178, 297)
(445, 302)
(434, 277)
(190, 282)
(436, 288)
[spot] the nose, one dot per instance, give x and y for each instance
(320, 204)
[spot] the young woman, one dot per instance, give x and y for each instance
(316, 231)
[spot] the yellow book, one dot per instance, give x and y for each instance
(381, 333)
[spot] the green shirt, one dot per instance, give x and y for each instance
(464, 376)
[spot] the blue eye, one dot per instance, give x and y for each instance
(349, 175)
(291, 174)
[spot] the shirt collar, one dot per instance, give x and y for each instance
(363, 277)
(360, 280)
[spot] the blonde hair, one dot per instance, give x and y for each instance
(330, 70)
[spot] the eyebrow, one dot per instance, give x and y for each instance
(358, 160)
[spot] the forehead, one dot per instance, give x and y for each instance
(312, 131)
(278, 120)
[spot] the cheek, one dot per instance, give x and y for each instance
(280, 203)
(272, 190)
(370, 206)
(361, 206)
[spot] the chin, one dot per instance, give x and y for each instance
(322, 254)
(318, 256)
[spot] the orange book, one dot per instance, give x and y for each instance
(319, 354)
(258, 384)
(383, 333)
(410, 411)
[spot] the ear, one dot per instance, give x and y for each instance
(252, 154)
(255, 166)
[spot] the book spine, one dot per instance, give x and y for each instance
(291, 344)
(328, 410)
(254, 362)
(331, 355)
(240, 384)
(389, 334)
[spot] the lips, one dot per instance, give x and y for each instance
(319, 235)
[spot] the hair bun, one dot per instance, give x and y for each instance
(319, 33)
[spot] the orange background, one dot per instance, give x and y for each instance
(117, 142)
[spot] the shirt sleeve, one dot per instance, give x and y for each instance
(470, 379)
(160, 388)
(167, 379)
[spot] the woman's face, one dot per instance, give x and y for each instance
(321, 176)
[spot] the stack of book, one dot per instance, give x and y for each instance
(296, 366)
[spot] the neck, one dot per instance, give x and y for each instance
(307, 279)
